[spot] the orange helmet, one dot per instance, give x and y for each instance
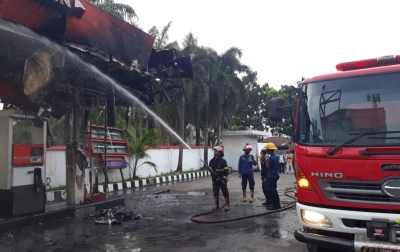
(219, 149)
(247, 147)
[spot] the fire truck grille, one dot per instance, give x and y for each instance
(356, 192)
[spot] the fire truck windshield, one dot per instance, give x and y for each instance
(331, 112)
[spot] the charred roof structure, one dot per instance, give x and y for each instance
(48, 49)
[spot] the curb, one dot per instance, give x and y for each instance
(56, 196)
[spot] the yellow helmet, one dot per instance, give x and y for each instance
(270, 146)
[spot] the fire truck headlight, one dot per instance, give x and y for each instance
(315, 219)
(303, 183)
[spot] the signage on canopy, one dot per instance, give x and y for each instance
(68, 4)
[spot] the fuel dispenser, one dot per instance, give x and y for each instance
(108, 150)
(22, 165)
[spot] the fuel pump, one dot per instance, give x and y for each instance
(22, 163)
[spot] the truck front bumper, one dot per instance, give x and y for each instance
(361, 242)
(324, 241)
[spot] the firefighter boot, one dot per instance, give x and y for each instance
(251, 196)
(244, 196)
(266, 203)
(216, 203)
(227, 204)
(274, 205)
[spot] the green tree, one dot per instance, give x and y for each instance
(206, 68)
(122, 11)
(225, 94)
(139, 144)
(204, 62)
(285, 127)
(162, 37)
(164, 108)
(252, 118)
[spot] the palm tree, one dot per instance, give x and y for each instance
(223, 87)
(227, 83)
(139, 144)
(206, 69)
(162, 37)
(162, 42)
(122, 11)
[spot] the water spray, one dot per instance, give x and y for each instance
(23, 31)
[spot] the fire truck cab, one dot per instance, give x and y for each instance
(347, 157)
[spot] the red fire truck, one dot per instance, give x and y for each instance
(347, 157)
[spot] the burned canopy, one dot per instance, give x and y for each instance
(45, 46)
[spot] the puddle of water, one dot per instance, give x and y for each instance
(198, 193)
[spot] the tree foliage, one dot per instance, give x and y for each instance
(224, 95)
(285, 127)
(122, 11)
(139, 144)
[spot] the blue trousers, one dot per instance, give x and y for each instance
(250, 178)
(272, 193)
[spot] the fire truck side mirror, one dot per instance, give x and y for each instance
(276, 109)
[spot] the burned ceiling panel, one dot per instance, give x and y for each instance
(164, 64)
(109, 36)
(48, 50)
(45, 71)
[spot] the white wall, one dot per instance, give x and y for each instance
(165, 158)
(234, 141)
(167, 161)
(234, 148)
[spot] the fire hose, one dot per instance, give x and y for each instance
(286, 193)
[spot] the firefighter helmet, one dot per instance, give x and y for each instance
(247, 147)
(219, 149)
(270, 146)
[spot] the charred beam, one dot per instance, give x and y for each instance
(67, 125)
(111, 107)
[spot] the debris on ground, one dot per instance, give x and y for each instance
(165, 191)
(113, 216)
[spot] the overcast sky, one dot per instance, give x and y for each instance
(282, 40)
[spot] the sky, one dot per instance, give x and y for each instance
(282, 40)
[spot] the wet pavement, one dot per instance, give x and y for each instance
(165, 224)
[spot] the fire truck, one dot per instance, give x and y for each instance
(347, 156)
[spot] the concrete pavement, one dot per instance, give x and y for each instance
(165, 224)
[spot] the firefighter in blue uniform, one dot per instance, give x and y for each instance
(272, 178)
(246, 173)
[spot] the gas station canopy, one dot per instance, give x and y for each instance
(36, 73)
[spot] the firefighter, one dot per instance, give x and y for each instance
(272, 178)
(219, 165)
(263, 161)
(245, 170)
